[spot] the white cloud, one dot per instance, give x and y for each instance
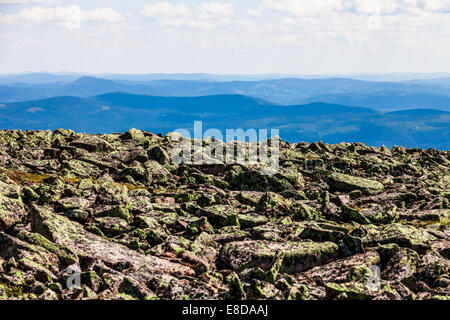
(437, 5)
(377, 6)
(209, 10)
(165, 9)
(28, 1)
(206, 15)
(71, 16)
(103, 15)
(254, 12)
(368, 24)
(304, 7)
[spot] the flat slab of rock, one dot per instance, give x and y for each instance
(298, 256)
(29, 257)
(220, 215)
(92, 144)
(62, 231)
(337, 271)
(346, 183)
(402, 265)
(405, 236)
(437, 215)
(11, 206)
(352, 290)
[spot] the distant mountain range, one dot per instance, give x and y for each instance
(82, 87)
(331, 123)
(387, 100)
(412, 110)
(434, 94)
(47, 77)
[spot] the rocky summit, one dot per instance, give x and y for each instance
(111, 217)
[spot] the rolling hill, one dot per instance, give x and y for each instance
(330, 123)
(82, 87)
(387, 100)
(36, 78)
(289, 91)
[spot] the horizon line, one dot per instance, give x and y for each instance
(226, 74)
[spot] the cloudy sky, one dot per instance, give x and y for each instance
(225, 36)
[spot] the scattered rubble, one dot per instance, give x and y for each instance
(111, 217)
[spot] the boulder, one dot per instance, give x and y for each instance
(298, 256)
(403, 235)
(12, 209)
(220, 215)
(340, 271)
(64, 232)
(346, 183)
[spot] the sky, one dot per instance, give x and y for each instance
(225, 37)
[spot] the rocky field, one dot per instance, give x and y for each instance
(111, 217)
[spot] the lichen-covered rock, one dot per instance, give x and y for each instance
(340, 271)
(220, 215)
(80, 168)
(133, 134)
(403, 235)
(112, 226)
(119, 211)
(298, 257)
(26, 257)
(347, 183)
(12, 209)
(65, 232)
(350, 291)
(250, 198)
(29, 194)
(274, 204)
(251, 220)
(348, 244)
(159, 154)
(402, 265)
(92, 144)
(432, 267)
(436, 215)
(236, 290)
(248, 180)
(370, 213)
(66, 255)
(340, 222)
(263, 290)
